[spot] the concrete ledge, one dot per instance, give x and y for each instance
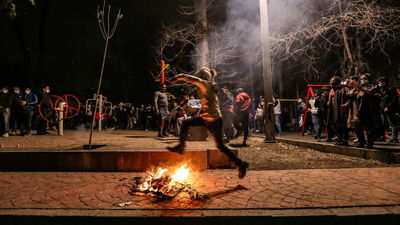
(358, 215)
(135, 161)
(385, 156)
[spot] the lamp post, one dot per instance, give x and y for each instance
(267, 74)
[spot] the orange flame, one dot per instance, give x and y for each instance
(181, 174)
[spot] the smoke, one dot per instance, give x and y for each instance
(235, 45)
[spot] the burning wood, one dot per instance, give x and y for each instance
(162, 185)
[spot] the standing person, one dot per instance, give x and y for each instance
(5, 105)
(28, 102)
(210, 116)
(260, 117)
(47, 112)
(337, 113)
(181, 114)
(389, 106)
(227, 110)
(278, 115)
(148, 116)
(161, 110)
(315, 116)
(243, 107)
(323, 108)
(16, 111)
(368, 111)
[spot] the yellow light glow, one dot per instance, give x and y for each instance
(181, 174)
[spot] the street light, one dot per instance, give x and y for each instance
(267, 74)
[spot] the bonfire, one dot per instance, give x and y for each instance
(163, 185)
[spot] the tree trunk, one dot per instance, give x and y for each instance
(202, 45)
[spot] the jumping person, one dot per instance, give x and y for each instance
(210, 116)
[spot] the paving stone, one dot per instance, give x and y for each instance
(326, 188)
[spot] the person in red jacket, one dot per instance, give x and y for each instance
(243, 106)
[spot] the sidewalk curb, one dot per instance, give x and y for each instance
(353, 215)
(385, 156)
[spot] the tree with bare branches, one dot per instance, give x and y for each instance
(347, 32)
(196, 40)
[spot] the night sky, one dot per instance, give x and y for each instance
(58, 42)
(64, 48)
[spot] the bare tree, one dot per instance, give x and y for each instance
(107, 31)
(348, 30)
(212, 45)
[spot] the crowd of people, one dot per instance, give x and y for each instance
(18, 111)
(354, 104)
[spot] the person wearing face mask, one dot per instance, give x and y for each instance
(16, 111)
(337, 112)
(368, 111)
(5, 105)
(46, 108)
(28, 102)
(389, 107)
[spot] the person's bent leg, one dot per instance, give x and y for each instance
(184, 134)
(215, 129)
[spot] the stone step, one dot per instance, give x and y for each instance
(110, 160)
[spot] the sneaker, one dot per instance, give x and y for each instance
(242, 169)
(393, 141)
(5, 135)
(177, 149)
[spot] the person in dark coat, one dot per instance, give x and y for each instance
(28, 101)
(5, 106)
(46, 110)
(337, 112)
(368, 111)
(16, 111)
(227, 110)
(389, 106)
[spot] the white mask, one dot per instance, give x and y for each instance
(27, 92)
(5, 91)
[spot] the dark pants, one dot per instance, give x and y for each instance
(15, 119)
(215, 128)
(343, 134)
(27, 121)
(242, 124)
(42, 124)
(372, 134)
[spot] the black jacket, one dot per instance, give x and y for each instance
(5, 100)
(389, 99)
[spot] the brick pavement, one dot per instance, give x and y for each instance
(284, 189)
